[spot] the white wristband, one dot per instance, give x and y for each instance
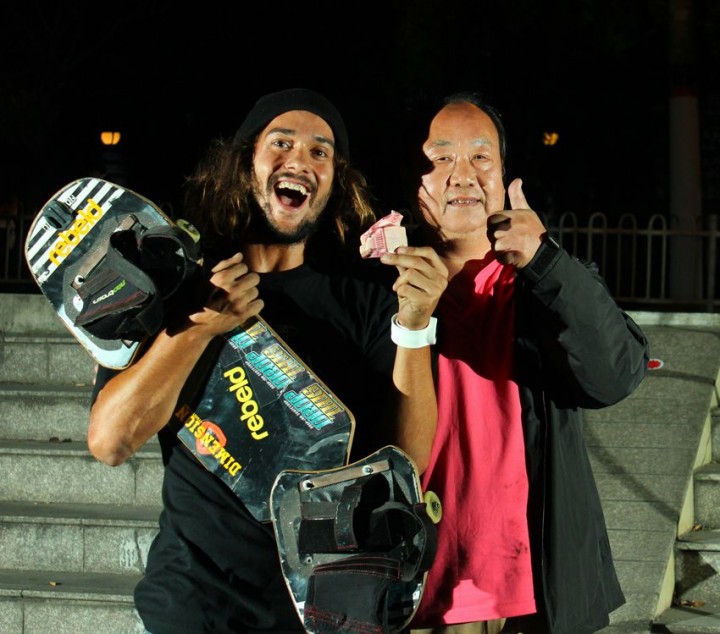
(413, 338)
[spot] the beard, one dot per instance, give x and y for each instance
(266, 231)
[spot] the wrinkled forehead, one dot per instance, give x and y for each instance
(461, 127)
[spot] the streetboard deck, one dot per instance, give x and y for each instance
(67, 239)
(356, 542)
(262, 411)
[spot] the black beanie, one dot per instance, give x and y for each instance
(270, 106)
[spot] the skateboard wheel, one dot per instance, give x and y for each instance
(189, 229)
(433, 506)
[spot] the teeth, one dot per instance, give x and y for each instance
(294, 186)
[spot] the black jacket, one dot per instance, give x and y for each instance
(575, 348)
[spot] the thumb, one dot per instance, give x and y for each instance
(516, 195)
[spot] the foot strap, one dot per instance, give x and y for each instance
(363, 542)
(127, 285)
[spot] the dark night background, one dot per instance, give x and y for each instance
(597, 72)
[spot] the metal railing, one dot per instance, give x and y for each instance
(636, 261)
(13, 269)
(654, 266)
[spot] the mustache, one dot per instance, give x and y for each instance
(298, 178)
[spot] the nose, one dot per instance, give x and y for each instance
(463, 173)
(297, 158)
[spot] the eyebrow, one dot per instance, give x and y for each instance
(292, 132)
(481, 141)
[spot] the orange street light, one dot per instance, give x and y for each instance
(110, 138)
(550, 138)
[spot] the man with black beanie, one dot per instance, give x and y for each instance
(279, 208)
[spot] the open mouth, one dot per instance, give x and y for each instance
(291, 194)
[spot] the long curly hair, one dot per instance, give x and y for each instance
(218, 199)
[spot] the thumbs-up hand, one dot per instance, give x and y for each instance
(515, 234)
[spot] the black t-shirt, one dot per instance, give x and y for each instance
(213, 567)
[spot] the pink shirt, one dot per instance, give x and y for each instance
(477, 466)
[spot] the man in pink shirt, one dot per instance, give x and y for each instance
(528, 335)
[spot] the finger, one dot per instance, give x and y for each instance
(424, 259)
(496, 218)
(237, 297)
(516, 195)
(231, 274)
(224, 264)
(413, 281)
(420, 288)
(425, 252)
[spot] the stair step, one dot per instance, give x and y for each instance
(69, 519)
(703, 618)
(29, 313)
(715, 433)
(697, 566)
(637, 626)
(39, 601)
(704, 539)
(43, 412)
(707, 495)
(44, 359)
(66, 472)
(46, 413)
(97, 538)
(74, 533)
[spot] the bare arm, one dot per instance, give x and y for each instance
(416, 404)
(135, 404)
(422, 280)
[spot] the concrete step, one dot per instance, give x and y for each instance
(44, 359)
(697, 566)
(707, 495)
(644, 451)
(66, 473)
(61, 602)
(696, 607)
(33, 412)
(29, 313)
(688, 618)
(74, 533)
(640, 626)
(36, 347)
(696, 602)
(42, 412)
(95, 538)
